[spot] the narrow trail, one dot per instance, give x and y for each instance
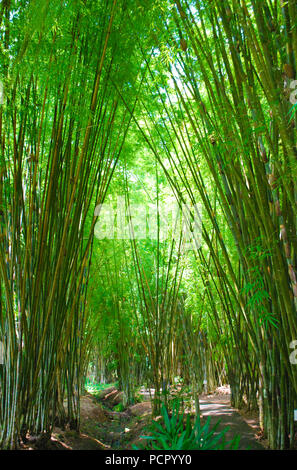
(246, 428)
(102, 428)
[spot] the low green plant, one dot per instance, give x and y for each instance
(95, 388)
(176, 432)
(119, 408)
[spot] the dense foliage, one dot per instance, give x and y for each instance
(151, 103)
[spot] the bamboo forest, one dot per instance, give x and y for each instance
(148, 225)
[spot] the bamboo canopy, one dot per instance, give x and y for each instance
(194, 100)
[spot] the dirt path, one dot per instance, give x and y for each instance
(102, 428)
(247, 429)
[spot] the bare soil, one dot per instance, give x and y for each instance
(103, 429)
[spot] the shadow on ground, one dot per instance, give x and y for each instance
(229, 417)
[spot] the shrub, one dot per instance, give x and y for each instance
(177, 433)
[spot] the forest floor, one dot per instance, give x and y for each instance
(240, 422)
(104, 428)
